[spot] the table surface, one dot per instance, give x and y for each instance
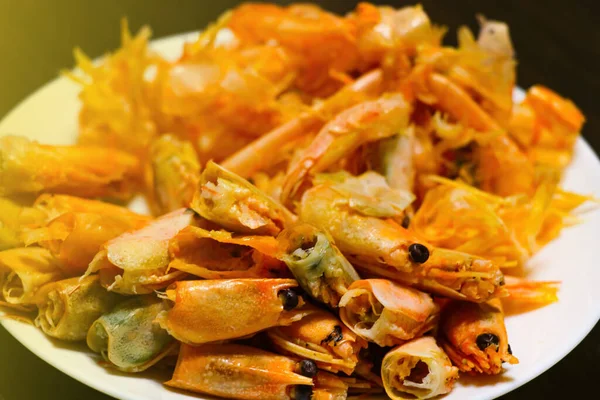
(556, 45)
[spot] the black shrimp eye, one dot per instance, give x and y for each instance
(405, 221)
(308, 368)
(485, 340)
(303, 392)
(509, 350)
(308, 243)
(288, 298)
(418, 253)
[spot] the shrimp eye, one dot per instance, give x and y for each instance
(509, 350)
(485, 340)
(418, 253)
(405, 221)
(288, 298)
(308, 243)
(308, 368)
(302, 392)
(335, 336)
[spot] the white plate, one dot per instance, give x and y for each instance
(538, 338)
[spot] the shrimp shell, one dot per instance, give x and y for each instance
(461, 327)
(236, 371)
(214, 310)
(379, 247)
(78, 170)
(433, 373)
(386, 313)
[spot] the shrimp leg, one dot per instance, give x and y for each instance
(524, 294)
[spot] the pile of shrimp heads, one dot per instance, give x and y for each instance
(340, 205)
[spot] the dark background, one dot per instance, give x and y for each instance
(557, 44)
